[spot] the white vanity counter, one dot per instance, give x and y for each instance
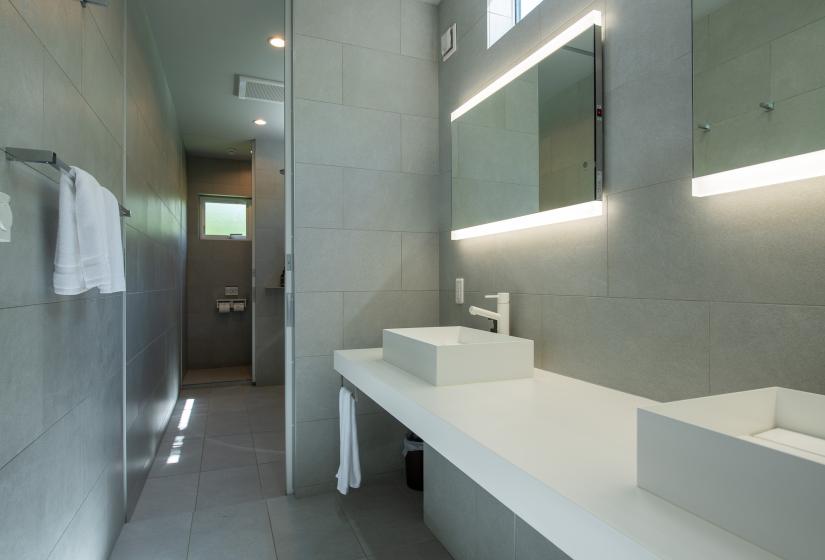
(559, 452)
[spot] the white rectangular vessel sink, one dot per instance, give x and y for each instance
(457, 355)
(751, 462)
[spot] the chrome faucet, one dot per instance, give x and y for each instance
(500, 317)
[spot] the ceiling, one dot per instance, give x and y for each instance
(203, 46)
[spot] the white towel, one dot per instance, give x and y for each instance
(349, 472)
(89, 251)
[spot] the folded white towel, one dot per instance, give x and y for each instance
(349, 471)
(89, 251)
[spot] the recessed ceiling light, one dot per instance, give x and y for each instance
(259, 122)
(277, 42)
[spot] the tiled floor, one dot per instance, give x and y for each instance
(217, 375)
(216, 491)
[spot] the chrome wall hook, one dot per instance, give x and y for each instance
(704, 126)
(768, 105)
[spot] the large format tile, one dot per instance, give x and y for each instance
(419, 29)
(269, 446)
(649, 138)
(318, 196)
(646, 35)
(428, 550)
(167, 496)
(313, 528)
(328, 260)
(223, 452)
(318, 322)
(449, 504)
(369, 23)
(227, 487)
(102, 79)
(419, 145)
(179, 455)
(366, 314)
(318, 66)
(495, 528)
(653, 348)
(316, 452)
(227, 423)
(754, 346)
(273, 479)
(163, 538)
(316, 388)
(234, 531)
(419, 261)
(390, 82)
(349, 136)
(380, 200)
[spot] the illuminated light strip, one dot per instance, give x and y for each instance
(554, 44)
(785, 170)
(556, 216)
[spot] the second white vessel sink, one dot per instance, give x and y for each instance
(458, 355)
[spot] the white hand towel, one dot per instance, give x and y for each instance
(349, 471)
(68, 274)
(89, 251)
(116, 280)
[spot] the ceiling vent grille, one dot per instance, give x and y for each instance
(259, 89)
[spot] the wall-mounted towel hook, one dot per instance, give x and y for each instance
(704, 126)
(768, 105)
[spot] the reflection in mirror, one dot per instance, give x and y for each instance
(534, 144)
(758, 88)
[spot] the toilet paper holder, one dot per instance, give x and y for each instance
(230, 305)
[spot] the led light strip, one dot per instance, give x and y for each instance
(551, 46)
(556, 216)
(794, 168)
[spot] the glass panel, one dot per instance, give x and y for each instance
(224, 218)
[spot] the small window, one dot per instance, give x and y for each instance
(225, 217)
(502, 15)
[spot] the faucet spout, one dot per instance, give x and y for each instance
(501, 316)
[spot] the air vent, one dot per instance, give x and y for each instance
(260, 89)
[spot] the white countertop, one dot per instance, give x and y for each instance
(559, 452)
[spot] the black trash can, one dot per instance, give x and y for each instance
(414, 461)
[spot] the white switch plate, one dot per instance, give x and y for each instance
(5, 218)
(449, 42)
(231, 291)
(459, 290)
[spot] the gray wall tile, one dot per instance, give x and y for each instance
(348, 136)
(390, 82)
(318, 323)
(494, 531)
(419, 145)
(369, 23)
(419, 261)
(318, 69)
(316, 389)
(366, 314)
(530, 545)
(318, 196)
(316, 452)
(754, 346)
(419, 29)
(653, 348)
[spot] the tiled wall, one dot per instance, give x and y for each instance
(61, 373)
(471, 523)
(366, 249)
(666, 295)
(216, 340)
(155, 251)
(269, 263)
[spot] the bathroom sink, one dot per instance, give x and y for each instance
(752, 462)
(457, 355)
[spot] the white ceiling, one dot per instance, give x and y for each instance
(203, 46)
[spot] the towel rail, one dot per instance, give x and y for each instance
(28, 155)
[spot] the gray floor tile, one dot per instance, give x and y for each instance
(163, 538)
(313, 528)
(238, 531)
(269, 446)
(227, 403)
(228, 486)
(227, 423)
(181, 455)
(165, 496)
(429, 550)
(223, 452)
(273, 479)
(390, 526)
(265, 418)
(192, 425)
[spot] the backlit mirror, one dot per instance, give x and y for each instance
(534, 144)
(758, 90)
